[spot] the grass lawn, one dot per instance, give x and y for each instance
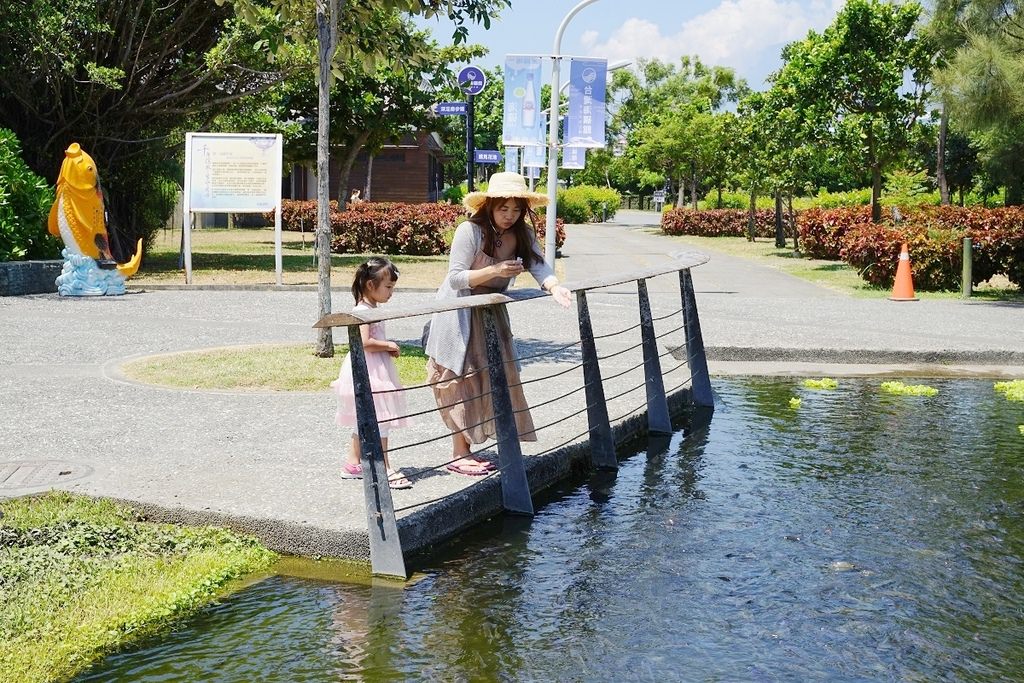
(835, 275)
(291, 367)
(80, 578)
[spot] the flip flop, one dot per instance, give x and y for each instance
(466, 470)
(485, 463)
(352, 471)
(397, 480)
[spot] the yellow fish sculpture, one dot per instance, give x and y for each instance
(77, 215)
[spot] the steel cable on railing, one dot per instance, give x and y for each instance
(439, 408)
(483, 477)
(667, 315)
(619, 353)
(538, 379)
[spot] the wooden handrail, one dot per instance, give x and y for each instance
(682, 260)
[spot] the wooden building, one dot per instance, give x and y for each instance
(411, 171)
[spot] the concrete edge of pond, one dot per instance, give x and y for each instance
(880, 360)
(433, 524)
(812, 368)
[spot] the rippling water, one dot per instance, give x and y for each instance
(859, 537)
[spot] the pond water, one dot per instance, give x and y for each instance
(860, 536)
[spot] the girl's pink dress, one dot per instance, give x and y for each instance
(380, 366)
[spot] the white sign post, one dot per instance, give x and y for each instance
(232, 173)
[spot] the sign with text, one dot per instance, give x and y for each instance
(512, 159)
(487, 156)
(450, 108)
(233, 172)
(585, 127)
(535, 156)
(574, 157)
(522, 123)
(472, 80)
(533, 172)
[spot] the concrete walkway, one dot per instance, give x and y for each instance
(269, 462)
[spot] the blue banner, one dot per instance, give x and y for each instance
(585, 127)
(574, 157)
(450, 108)
(522, 122)
(486, 156)
(512, 159)
(535, 156)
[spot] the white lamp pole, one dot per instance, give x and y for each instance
(556, 63)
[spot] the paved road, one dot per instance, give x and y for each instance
(269, 462)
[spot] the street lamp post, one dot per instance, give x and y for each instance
(556, 63)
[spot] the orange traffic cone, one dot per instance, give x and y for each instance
(903, 288)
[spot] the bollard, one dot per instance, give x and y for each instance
(604, 212)
(967, 286)
(385, 545)
(515, 488)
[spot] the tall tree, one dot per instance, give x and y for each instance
(857, 68)
(357, 41)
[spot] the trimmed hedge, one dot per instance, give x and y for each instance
(822, 230)
(717, 222)
(586, 203)
(387, 228)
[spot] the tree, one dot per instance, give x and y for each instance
(358, 41)
(120, 77)
(854, 72)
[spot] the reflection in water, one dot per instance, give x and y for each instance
(860, 537)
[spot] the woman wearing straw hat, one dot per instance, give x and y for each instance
(489, 250)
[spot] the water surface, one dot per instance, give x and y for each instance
(860, 537)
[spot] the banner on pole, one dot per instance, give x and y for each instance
(533, 172)
(574, 157)
(522, 122)
(512, 159)
(587, 81)
(535, 156)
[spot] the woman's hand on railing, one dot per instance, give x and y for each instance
(562, 295)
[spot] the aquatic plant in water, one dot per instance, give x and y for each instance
(794, 403)
(823, 383)
(1013, 390)
(901, 389)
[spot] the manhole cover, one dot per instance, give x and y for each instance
(29, 473)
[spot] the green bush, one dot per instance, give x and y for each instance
(454, 194)
(25, 201)
(586, 203)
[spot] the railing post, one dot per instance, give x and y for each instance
(515, 488)
(602, 447)
(696, 357)
(385, 546)
(658, 420)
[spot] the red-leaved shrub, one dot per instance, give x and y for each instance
(822, 230)
(386, 228)
(717, 222)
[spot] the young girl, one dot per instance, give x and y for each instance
(374, 282)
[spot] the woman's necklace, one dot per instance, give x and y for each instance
(498, 235)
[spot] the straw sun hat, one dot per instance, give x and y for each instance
(505, 185)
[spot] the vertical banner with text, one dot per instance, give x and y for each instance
(512, 159)
(521, 123)
(585, 127)
(574, 157)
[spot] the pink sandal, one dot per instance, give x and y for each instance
(352, 470)
(467, 470)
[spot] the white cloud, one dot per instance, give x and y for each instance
(736, 33)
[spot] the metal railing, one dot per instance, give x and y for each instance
(386, 554)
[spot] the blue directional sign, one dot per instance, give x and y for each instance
(450, 108)
(472, 80)
(487, 156)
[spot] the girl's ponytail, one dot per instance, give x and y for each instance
(361, 278)
(372, 270)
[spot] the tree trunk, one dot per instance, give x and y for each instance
(780, 234)
(752, 214)
(719, 196)
(693, 186)
(369, 180)
(876, 179)
(1014, 191)
(940, 158)
(792, 223)
(345, 170)
(327, 33)
(681, 201)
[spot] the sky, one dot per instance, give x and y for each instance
(747, 35)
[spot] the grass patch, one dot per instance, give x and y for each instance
(835, 275)
(245, 256)
(81, 578)
(291, 367)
